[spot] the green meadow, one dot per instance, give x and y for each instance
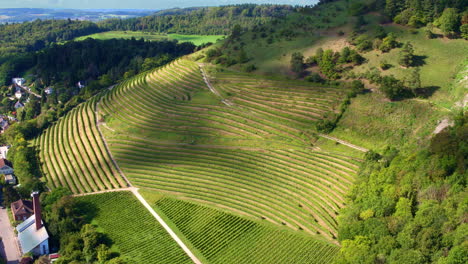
(195, 39)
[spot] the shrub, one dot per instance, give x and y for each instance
(388, 43)
(464, 31)
(325, 126)
(249, 68)
(428, 33)
(384, 65)
(315, 78)
(392, 87)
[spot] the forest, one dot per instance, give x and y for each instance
(207, 20)
(410, 207)
(33, 36)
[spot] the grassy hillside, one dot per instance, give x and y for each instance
(135, 234)
(222, 237)
(195, 39)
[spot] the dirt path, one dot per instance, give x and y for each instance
(96, 109)
(154, 214)
(138, 195)
(8, 244)
(212, 89)
(344, 143)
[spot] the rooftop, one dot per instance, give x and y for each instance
(29, 237)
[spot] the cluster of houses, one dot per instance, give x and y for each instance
(32, 234)
(6, 167)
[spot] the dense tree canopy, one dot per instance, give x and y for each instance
(207, 20)
(410, 207)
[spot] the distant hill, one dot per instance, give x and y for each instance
(15, 15)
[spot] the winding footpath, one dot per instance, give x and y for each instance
(135, 192)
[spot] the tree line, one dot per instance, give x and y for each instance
(206, 20)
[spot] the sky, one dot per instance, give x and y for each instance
(137, 4)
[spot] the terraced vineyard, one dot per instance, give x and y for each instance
(225, 238)
(135, 233)
(249, 153)
(72, 153)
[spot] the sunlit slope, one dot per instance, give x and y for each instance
(169, 133)
(226, 238)
(72, 153)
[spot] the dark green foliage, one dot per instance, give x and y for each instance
(206, 20)
(388, 43)
(325, 125)
(409, 207)
(33, 36)
(413, 81)
(356, 87)
(297, 62)
(384, 65)
(449, 22)
(417, 13)
(327, 64)
(315, 78)
(406, 55)
(464, 31)
(392, 87)
(249, 68)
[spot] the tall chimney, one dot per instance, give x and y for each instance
(37, 210)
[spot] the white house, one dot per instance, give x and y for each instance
(80, 85)
(5, 168)
(49, 90)
(18, 94)
(19, 81)
(32, 234)
(4, 151)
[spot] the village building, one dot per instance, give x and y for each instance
(80, 85)
(18, 94)
(4, 125)
(5, 167)
(4, 151)
(22, 210)
(19, 81)
(49, 90)
(10, 179)
(32, 234)
(18, 105)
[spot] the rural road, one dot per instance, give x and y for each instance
(8, 246)
(138, 195)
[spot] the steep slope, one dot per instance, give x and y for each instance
(170, 134)
(72, 153)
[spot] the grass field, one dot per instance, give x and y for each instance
(136, 234)
(195, 39)
(251, 154)
(222, 237)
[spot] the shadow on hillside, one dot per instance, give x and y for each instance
(426, 92)
(419, 60)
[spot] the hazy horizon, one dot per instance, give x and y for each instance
(136, 4)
